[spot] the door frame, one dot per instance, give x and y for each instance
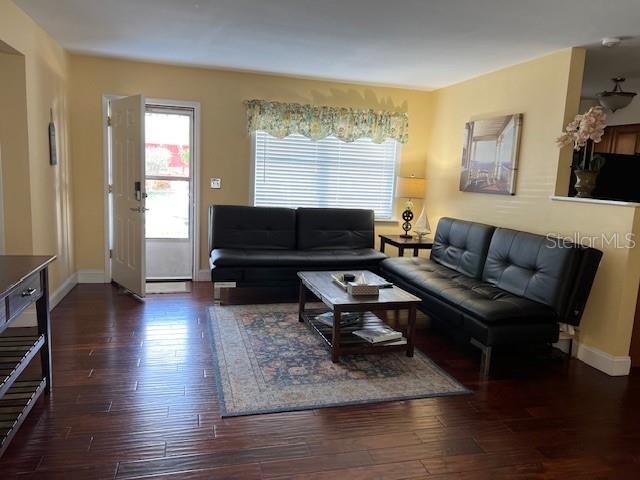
(195, 204)
(2, 226)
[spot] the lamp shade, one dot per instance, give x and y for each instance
(616, 98)
(410, 187)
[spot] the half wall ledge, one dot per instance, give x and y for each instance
(596, 201)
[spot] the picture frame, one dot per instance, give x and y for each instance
(490, 155)
(53, 155)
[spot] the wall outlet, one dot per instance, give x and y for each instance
(216, 183)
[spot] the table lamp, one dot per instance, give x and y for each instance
(409, 188)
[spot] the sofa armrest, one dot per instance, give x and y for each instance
(210, 229)
(585, 275)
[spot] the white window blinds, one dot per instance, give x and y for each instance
(298, 172)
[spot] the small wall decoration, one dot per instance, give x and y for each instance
(490, 155)
(53, 155)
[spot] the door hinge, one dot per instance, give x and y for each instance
(110, 253)
(109, 121)
(110, 188)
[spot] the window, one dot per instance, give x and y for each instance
(298, 172)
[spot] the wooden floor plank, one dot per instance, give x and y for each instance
(388, 471)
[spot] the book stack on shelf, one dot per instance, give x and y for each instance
(346, 320)
(363, 326)
(380, 334)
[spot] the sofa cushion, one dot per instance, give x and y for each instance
(532, 266)
(240, 227)
(474, 297)
(334, 228)
(225, 257)
(461, 245)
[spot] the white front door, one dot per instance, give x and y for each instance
(128, 168)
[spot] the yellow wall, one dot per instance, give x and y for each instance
(225, 144)
(14, 154)
(46, 226)
(546, 91)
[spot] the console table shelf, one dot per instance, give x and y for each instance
(16, 351)
(24, 282)
(15, 405)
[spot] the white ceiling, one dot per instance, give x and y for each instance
(602, 64)
(414, 43)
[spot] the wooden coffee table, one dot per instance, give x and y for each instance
(340, 340)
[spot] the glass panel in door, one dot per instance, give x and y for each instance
(169, 185)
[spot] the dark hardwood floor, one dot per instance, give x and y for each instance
(134, 397)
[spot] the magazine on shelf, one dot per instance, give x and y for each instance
(346, 319)
(378, 334)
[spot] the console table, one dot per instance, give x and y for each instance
(23, 282)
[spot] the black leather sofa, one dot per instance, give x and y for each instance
(496, 286)
(267, 246)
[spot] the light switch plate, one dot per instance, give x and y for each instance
(216, 183)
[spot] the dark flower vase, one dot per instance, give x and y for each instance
(585, 183)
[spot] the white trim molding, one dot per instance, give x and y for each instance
(596, 201)
(92, 276)
(204, 275)
(609, 364)
(62, 291)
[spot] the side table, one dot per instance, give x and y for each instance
(402, 243)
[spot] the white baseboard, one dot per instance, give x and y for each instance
(563, 346)
(204, 275)
(91, 276)
(62, 291)
(609, 364)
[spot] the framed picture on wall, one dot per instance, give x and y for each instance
(490, 155)
(53, 155)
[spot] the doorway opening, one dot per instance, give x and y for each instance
(169, 183)
(166, 194)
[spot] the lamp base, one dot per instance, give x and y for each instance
(407, 216)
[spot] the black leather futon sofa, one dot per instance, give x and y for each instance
(496, 286)
(267, 246)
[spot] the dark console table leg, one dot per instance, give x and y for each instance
(335, 340)
(383, 243)
(401, 251)
(44, 328)
(411, 330)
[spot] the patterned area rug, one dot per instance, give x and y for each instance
(269, 362)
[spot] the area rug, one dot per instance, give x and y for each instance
(266, 361)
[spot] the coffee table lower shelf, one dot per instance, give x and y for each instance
(349, 343)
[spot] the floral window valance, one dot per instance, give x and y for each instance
(317, 122)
